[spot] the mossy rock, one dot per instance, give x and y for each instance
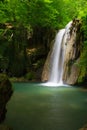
(5, 94)
(30, 76)
(4, 127)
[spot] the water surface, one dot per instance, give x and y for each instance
(36, 107)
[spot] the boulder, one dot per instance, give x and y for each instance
(5, 94)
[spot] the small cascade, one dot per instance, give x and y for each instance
(57, 57)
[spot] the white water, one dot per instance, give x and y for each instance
(57, 57)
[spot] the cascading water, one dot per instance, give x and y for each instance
(57, 57)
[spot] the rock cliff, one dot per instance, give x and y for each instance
(72, 54)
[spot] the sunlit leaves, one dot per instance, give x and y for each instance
(48, 1)
(42, 13)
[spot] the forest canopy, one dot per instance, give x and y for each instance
(41, 12)
(23, 20)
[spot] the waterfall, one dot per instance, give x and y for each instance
(56, 65)
(57, 57)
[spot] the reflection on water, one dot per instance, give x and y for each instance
(34, 107)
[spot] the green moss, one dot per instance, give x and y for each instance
(82, 74)
(3, 77)
(30, 76)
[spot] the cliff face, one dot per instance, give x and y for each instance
(46, 68)
(72, 52)
(5, 94)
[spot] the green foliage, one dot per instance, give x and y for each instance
(13, 11)
(38, 64)
(3, 78)
(30, 76)
(17, 66)
(42, 13)
(46, 13)
(83, 57)
(82, 74)
(3, 63)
